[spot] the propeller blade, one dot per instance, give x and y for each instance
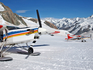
(40, 25)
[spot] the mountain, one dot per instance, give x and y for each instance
(45, 22)
(10, 17)
(73, 25)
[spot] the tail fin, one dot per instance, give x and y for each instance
(68, 36)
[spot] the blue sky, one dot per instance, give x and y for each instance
(51, 8)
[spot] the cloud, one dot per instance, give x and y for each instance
(21, 11)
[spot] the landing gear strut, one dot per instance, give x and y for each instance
(1, 55)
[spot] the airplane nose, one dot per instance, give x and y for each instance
(42, 31)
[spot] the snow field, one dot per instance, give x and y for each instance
(56, 54)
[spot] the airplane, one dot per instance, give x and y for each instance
(11, 35)
(76, 37)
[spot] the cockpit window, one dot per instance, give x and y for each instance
(12, 27)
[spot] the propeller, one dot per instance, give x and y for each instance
(43, 30)
(40, 25)
(40, 29)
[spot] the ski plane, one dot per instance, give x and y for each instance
(11, 35)
(76, 37)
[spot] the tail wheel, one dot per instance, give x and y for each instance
(30, 50)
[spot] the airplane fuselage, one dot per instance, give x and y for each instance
(19, 35)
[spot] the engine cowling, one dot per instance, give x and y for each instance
(42, 31)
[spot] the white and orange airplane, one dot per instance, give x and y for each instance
(76, 37)
(11, 35)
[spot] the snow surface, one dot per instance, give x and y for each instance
(3, 22)
(30, 23)
(56, 54)
(1, 8)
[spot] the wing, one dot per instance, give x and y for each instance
(55, 32)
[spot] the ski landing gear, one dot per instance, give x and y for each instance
(5, 59)
(2, 58)
(83, 40)
(32, 53)
(29, 51)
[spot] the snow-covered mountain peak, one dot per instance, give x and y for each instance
(91, 16)
(1, 7)
(73, 25)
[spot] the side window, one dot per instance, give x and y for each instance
(12, 27)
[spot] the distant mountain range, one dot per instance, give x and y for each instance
(72, 25)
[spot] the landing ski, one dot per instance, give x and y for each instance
(6, 59)
(26, 53)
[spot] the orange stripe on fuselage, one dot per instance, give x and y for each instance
(20, 34)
